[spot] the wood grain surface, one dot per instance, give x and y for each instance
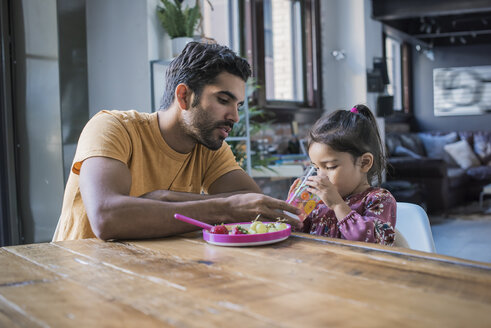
(182, 281)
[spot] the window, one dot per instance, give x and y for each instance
(393, 57)
(398, 56)
(279, 38)
(281, 42)
(221, 22)
(283, 59)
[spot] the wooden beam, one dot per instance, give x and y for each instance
(399, 9)
(399, 35)
(447, 34)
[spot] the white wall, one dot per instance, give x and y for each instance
(346, 25)
(373, 47)
(37, 119)
(118, 54)
(124, 35)
(159, 43)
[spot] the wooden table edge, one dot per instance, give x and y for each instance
(394, 250)
(341, 242)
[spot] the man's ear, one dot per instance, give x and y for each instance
(366, 162)
(183, 96)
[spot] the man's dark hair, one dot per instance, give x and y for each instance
(198, 65)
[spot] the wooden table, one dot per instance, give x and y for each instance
(184, 282)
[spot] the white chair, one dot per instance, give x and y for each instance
(413, 228)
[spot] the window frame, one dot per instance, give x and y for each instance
(407, 81)
(252, 25)
(394, 67)
(406, 74)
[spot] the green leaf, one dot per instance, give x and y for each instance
(176, 21)
(255, 127)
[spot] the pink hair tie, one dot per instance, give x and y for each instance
(354, 110)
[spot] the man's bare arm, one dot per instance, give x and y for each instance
(113, 214)
(232, 183)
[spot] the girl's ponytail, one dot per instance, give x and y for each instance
(365, 111)
(379, 154)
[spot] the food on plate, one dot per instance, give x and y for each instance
(256, 227)
(280, 225)
(219, 229)
(260, 227)
(238, 230)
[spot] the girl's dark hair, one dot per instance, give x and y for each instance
(354, 132)
(198, 65)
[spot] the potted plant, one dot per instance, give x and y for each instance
(259, 120)
(179, 23)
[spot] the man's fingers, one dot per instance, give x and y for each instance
(295, 223)
(284, 206)
(273, 215)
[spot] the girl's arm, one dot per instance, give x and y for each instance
(376, 225)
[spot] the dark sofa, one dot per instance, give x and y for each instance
(448, 168)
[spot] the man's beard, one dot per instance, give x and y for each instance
(203, 129)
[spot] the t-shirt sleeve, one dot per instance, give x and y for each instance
(221, 162)
(105, 136)
(377, 222)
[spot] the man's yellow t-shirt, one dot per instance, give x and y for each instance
(134, 138)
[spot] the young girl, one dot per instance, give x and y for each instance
(347, 151)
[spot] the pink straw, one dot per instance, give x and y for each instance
(193, 221)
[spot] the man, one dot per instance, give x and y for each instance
(133, 171)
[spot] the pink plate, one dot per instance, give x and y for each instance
(247, 240)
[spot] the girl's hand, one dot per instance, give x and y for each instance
(292, 188)
(322, 187)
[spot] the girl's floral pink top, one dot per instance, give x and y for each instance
(372, 218)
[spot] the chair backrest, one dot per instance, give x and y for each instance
(413, 224)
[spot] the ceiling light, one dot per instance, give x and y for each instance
(429, 54)
(338, 54)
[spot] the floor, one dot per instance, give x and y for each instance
(466, 235)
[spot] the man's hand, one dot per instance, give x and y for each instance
(245, 207)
